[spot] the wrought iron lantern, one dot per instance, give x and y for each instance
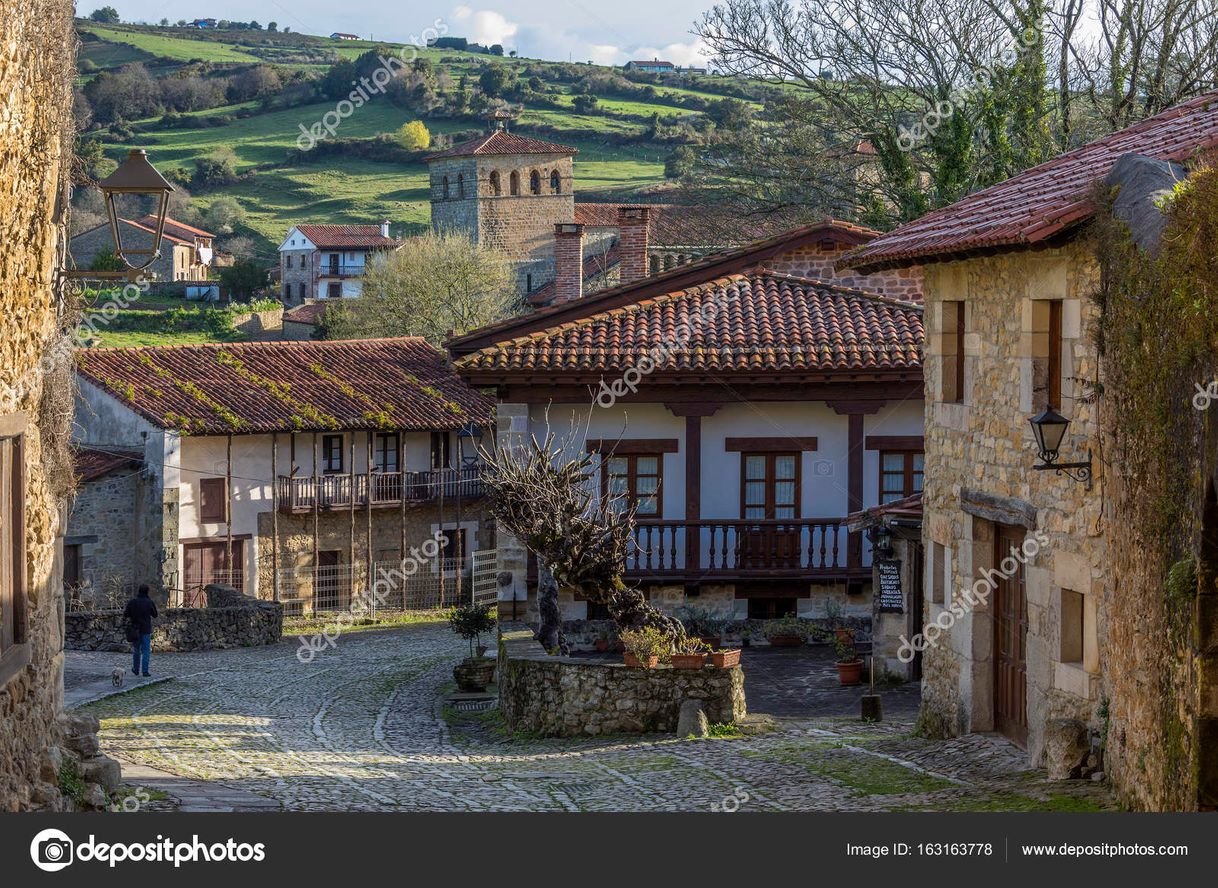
(136, 176)
(1049, 429)
(471, 432)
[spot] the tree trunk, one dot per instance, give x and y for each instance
(550, 632)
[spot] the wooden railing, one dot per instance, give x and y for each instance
(710, 548)
(341, 491)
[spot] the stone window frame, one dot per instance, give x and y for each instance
(495, 183)
(444, 188)
(555, 182)
(535, 183)
(460, 186)
(15, 648)
(953, 331)
(514, 184)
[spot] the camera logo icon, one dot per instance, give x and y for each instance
(51, 850)
(822, 468)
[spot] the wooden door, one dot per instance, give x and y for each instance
(769, 491)
(1010, 640)
(328, 586)
(208, 563)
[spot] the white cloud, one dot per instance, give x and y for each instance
(693, 53)
(485, 26)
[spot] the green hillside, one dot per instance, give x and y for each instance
(624, 133)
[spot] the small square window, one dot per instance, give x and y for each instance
(1071, 626)
(213, 500)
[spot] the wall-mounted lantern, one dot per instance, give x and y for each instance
(136, 176)
(469, 432)
(1049, 429)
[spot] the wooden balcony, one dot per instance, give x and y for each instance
(725, 550)
(301, 494)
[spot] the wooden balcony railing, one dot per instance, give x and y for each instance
(341, 491)
(727, 549)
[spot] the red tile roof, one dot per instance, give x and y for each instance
(502, 142)
(691, 274)
(176, 228)
(335, 236)
(595, 265)
(757, 322)
(908, 508)
(693, 225)
(1045, 200)
(92, 462)
(251, 387)
(306, 314)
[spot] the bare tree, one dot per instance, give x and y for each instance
(544, 498)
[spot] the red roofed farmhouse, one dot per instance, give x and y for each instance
(293, 471)
(328, 261)
(740, 405)
(1029, 629)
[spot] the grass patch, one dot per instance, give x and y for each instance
(316, 623)
(728, 731)
(71, 782)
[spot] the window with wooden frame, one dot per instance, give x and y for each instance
(1046, 354)
(385, 451)
(14, 639)
(213, 500)
(331, 454)
(953, 352)
(452, 553)
(633, 480)
(441, 450)
(900, 474)
(769, 486)
(334, 290)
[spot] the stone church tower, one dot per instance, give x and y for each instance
(508, 192)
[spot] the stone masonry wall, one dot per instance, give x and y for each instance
(105, 522)
(180, 629)
(567, 697)
(981, 451)
(36, 69)
(817, 263)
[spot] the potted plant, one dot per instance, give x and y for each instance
(603, 637)
(702, 623)
(833, 618)
(746, 637)
(849, 663)
(645, 647)
(725, 658)
(691, 654)
(471, 622)
(785, 632)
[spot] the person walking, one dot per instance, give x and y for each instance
(139, 613)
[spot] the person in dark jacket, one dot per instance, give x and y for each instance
(140, 612)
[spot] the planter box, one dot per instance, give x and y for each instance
(631, 660)
(726, 657)
(786, 641)
(688, 661)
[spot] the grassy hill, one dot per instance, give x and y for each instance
(619, 154)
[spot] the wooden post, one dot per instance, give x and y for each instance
(460, 538)
(228, 505)
(275, 516)
(440, 474)
(316, 523)
(351, 513)
(402, 516)
(368, 533)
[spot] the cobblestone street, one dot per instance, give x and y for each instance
(364, 727)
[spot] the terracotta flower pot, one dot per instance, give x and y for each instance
(688, 661)
(602, 644)
(845, 636)
(725, 658)
(850, 673)
(648, 663)
(786, 641)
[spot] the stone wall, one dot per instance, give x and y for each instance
(567, 697)
(979, 458)
(106, 521)
(37, 65)
(180, 629)
(303, 272)
(260, 325)
(818, 263)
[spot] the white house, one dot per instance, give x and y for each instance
(329, 261)
(741, 403)
(287, 469)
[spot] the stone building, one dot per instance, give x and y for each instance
(743, 441)
(35, 461)
(1019, 593)
(187, 253)
(290, 470)
(319, 261)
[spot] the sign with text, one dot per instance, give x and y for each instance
(892, 600)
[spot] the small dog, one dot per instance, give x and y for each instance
(117, 676)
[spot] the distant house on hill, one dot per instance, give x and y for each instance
(339, 35)
(187, 253)
(202, 23)
(328, 261)
(655, 66)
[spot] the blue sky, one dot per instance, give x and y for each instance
(582, 30)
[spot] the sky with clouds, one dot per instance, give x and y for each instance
(579, 30)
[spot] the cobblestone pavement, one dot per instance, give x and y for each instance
(365, 727)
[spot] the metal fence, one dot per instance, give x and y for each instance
(434, 586)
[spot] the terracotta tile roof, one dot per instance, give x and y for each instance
(757, 322)
(908, 508)
(1045, 200)
(693, 225)
(306, 314)
(251, 387)
(332, 236)
(692, 274)
(166, 235)
(176, 228)
(595, 265)
(502, 142)
(93, 462)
